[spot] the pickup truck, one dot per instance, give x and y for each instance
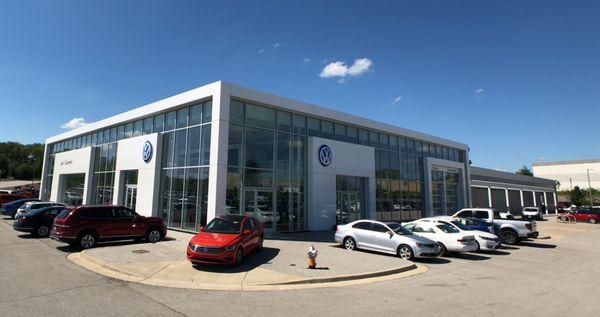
(511, 231)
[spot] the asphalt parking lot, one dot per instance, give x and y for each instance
(552, 277)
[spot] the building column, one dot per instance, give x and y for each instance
(546, 202)
(507, 200)
(489, 190)
(522, 202)
(219, 134)
(555, 202)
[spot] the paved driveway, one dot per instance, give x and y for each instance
(541, 278)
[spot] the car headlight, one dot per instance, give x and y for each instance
(230, 248)
(486, 238)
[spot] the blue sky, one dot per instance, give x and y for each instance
(519, 81)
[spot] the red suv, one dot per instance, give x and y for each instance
(84, 226)
(226, 240)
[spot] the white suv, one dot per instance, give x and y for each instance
(533, 213)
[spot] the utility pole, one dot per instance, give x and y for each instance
(590, 187)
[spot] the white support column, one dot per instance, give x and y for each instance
(490, 197)
(522, 202)
(217, 176)
(534, 199)
(546, 202)
(507, 200)
(555, 203)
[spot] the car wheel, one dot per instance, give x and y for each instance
(443, 250)
(349, 244)
(405, 252)
(87, 240)
(478, 247)
(509, 237)
(42, 231)
(592, 220)
(239, 257)
(154, 235)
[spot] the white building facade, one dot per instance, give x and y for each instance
(570, 173)
(225, 149)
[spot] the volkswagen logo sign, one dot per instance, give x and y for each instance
(147, 151)
(325, 155)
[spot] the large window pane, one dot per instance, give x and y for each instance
(193, 147)
(165, 193)
(260, 116)
(168, 149)
(236, 111)
(190, 199)
(137, 128)
(259, 148)
(205, 158)
(234, 185)
(363, 137)
(180, 142)
(258, 178)
(195, 114)
(176, 199)
(120, 133)
(298, 153)
(284, 213)
(340, 132)
(148, 125)
(299, 124)
(284, 149)
(182, 117)
(284, 121)
(314, 127)
(234, 154)
(327, 129)
(159, 123)
(207, 112)
(203, 196)
(170, 121)
(352, 135)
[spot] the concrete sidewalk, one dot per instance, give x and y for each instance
(280, 265)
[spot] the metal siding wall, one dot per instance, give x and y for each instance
(551, 202)
(499, 200)
(514, 201)
(480, 197)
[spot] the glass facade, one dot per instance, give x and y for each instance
(267, 165)
(104, 173)
(350, 198)
(185, 160)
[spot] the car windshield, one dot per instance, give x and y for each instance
(63, 214)
(447, 228)
(219, 225)
(399, 229)
(460, 225)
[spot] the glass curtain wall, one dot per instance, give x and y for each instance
(104, 173)
(266, 165)
(185, 160)
(350, 198)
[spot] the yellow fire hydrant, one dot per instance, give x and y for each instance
(312, 257)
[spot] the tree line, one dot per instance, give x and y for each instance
(21, 161)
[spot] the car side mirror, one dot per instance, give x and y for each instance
(247, 232)
(201, 228)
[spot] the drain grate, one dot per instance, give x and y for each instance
(141, 251)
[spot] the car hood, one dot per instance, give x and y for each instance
(485, 234)
(419, 239)
(214, 239)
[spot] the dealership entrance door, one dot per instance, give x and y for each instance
(259, 204)
(130, 180)
(350, 198)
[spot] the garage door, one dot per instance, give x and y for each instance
(514, 202)
(527, 199)
(499, 200)
(480, 197)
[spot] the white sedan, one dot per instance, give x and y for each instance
(449, 238)
(485, 241)
(388, 237)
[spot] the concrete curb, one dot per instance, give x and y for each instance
(97, 266)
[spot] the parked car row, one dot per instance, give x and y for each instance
(590, 214)
(469, 230)
(83, 226)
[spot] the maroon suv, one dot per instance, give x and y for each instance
(84, 226)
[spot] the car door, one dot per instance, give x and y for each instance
(250, 242)
(362, 234)
(49, 215)
(465, 214)
(127, 224)
(381, 240)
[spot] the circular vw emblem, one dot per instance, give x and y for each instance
(147, 151)
(325, 155)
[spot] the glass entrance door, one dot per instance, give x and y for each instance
(259, 204)
(349, 207)
(130, 196)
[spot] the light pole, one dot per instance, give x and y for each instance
(590, 187)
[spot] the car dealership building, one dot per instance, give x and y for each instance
(225, 149)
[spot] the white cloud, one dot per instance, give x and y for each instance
(540, 159)
(306, 60)
(261, 50)
(478, 91)
(74, 123)
(276, 45)
(340, 69)
(397, 100)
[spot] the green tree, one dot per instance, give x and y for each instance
(21, 161)
(525, 171)
(577, 196)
